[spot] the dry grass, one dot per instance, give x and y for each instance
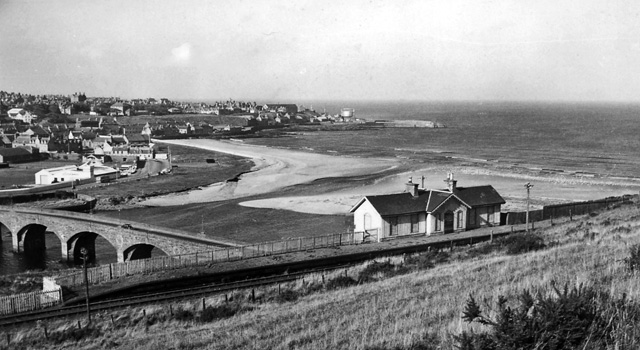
(396, 311)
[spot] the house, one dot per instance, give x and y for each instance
(21, 114)
(425, 212)
(91, 169)
(18, 155)
(120, 108)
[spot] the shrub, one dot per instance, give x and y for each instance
(633, 261)
(340, 282)
(211, 313)
(426, 342)
(183, 315)
(287, 295)
(74, 334)
(426, 260)
(482, 249)
(522, 243)
(577, 318)
(376, 270)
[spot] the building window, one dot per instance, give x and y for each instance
(490, 212)
(438, 222)
(415, 226)
(459, 219)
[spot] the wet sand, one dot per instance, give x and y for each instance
(278, 168)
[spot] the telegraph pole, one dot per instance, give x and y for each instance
(528, 186)
(84, 252)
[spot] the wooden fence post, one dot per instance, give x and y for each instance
(491, 237)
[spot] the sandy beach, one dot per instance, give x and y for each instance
(274, 169)
(277, 168)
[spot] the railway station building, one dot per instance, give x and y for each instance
(417, 211)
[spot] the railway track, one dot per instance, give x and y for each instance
(151, 298)
(323, 265)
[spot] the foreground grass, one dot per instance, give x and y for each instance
(416, 307)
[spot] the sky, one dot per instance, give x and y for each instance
(540, 50)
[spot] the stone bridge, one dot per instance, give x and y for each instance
(131, 240)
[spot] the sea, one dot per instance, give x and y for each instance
(589, 138)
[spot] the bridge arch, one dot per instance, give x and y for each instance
(140, 251)
(30, 239)
(84, 239)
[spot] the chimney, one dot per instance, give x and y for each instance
(91, 171)
(411, 188)
(451, 183)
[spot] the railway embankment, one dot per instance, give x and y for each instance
(291, 262)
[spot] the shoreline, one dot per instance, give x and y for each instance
(276, 168)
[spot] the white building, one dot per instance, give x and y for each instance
(21, 114)
(91, 169)
(425, 212)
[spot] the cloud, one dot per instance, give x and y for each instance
(182, 53)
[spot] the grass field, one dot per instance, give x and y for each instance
(396, 308)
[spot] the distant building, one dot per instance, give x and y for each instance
(21, 114)
(18, 155)
(425, 212)
(91, 169)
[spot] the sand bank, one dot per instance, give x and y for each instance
(274, 169)
(277, 168)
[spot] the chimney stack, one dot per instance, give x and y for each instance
(411, 188)
(451, 183)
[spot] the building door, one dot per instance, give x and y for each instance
(448, 222)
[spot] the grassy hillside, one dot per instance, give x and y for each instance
(399, 303)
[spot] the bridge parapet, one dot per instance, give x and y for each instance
(72, 227)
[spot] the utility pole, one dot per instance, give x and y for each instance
(84, 252)
(528, 186)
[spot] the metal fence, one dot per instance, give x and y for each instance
(108, 272)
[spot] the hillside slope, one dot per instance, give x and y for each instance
(380, 312)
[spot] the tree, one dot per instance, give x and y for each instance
(53, 108)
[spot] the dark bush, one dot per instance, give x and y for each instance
(577, 318)
(483, 249)
(426, 260)
(212, 313)
(74, 334)
(633, 260)
(287, 295)
(183, 315)
(375, 269)
(340, 282)
(519, 243)
(426, 342)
